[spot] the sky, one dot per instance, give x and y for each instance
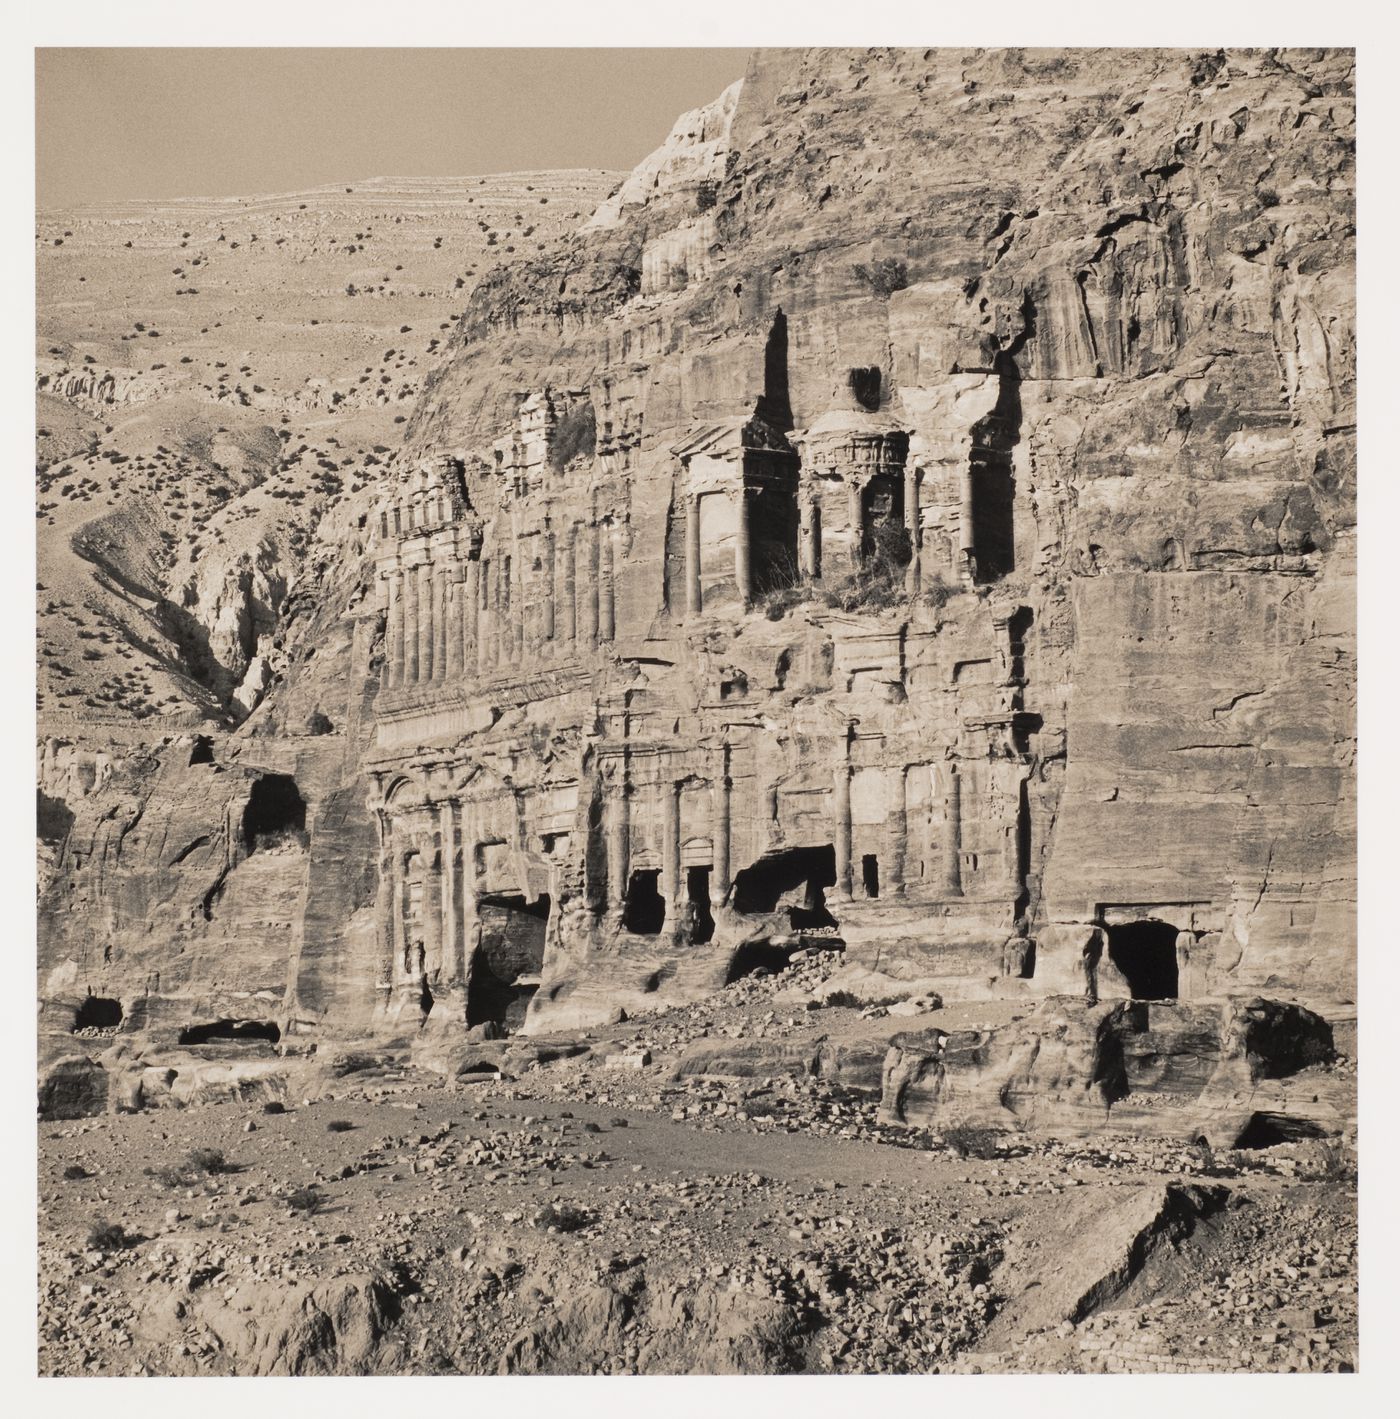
(126, 124)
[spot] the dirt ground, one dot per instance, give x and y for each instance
(584, 1218)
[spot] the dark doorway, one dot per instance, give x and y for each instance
(697, 891)
(773, 522)
(1145, 954)
(993, 477)
(870, 874)
(795, 880)
(883, 536)
(275, 814)
(235, 1030)
(504, 970)
(98, 1012)
(644, 912)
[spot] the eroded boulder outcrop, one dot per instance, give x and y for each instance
(1164, 1067)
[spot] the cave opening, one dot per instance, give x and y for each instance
(753, 957)
(697, 892)
(235, 1030)
(504, 972)
(98, 1012)
(1144, 953)
(644, 911)
(1268, 1130)
(794, 880)
(275, 815)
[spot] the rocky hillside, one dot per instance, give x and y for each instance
(1111, 293)
(214, 378)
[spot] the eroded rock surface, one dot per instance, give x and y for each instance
(914, 517)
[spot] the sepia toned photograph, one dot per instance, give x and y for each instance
(696, 711)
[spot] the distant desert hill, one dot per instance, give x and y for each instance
(212, 376)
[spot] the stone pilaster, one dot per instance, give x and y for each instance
(617, 809)
(606, 612)
(471, 616)
(899, 836)
(395, 666)
(451, 889)
(841, 829)
(951, 837)
(547, 623)
(432, 906)
(693, 596)
(588, 628)
(913, 576)
(967, 545)
(439, 623)
(386, 935)
(569, 596)
(810, 535)
(743, 576)
(425, 622)
(410, 626)
(671, 888)
(719, 827)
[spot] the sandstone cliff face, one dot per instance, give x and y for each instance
(920, 506)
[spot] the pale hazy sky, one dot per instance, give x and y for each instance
(114, 124)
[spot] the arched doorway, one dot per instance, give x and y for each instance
(1144, 953)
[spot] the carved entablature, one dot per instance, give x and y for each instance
(853, 445)
(430, 495)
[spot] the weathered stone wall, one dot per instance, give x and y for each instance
(928, 486)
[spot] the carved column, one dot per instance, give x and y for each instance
(399, 907)
(967, 548)
(483, 617)
(384, 912)
(588, 629)
(606, 610)
(439, 623)
(569, 598)
(857, 521)
(432, 905)
(952, 831)
(410, 626)
(453, 629)
(547, 625)
(470, 904)
(913, 575)
(671, 854)
(396, 629)
(694, 599)
(842, 830)
(471, 612)
(425, 622)
(618, 811)
(451, 933)
(518, 608)
(742, 561)
(810, 551)
(899, 837)
(719, 828)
